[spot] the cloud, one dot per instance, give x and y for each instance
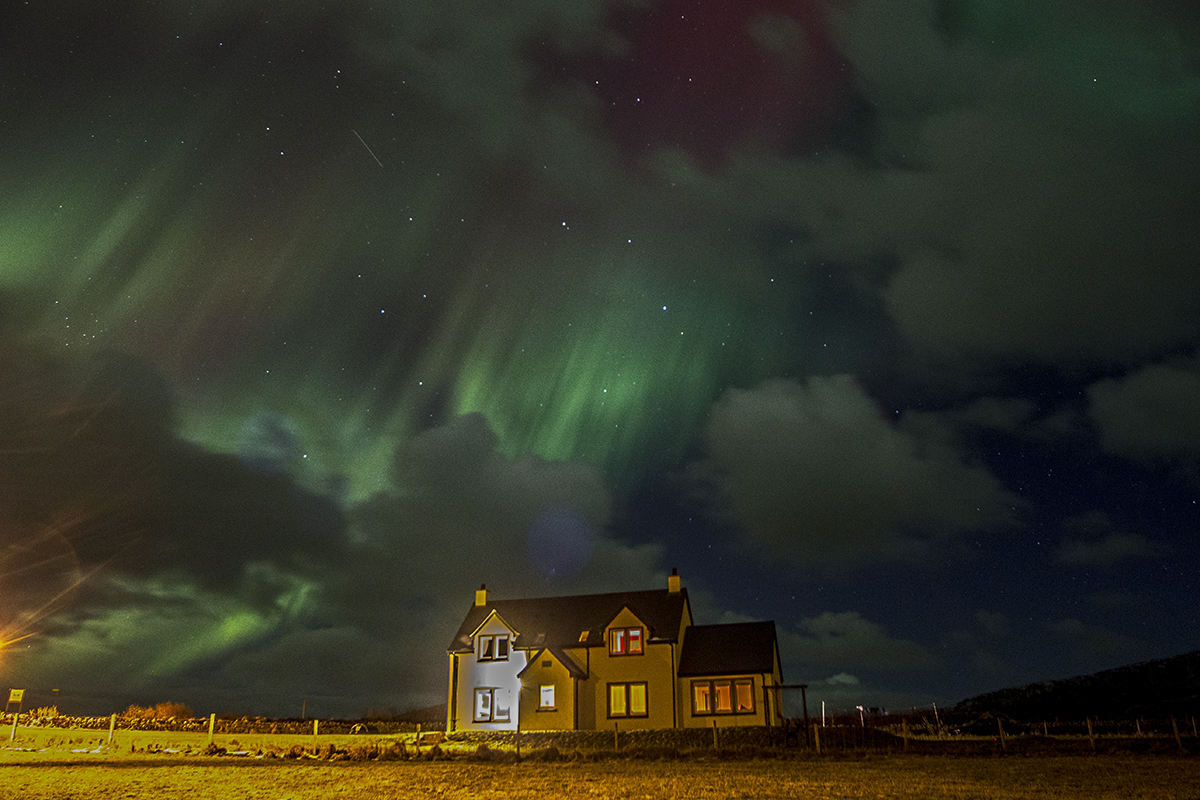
(1093, 541)
(812, 474)
(999, 206)
(1150, 413)
(994, 626)
(846, 641)
(1093, 642)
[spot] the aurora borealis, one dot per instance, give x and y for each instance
(879, 320)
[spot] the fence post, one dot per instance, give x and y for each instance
(112, 726)
(616, 742)
(1091, 735)
(817, 739)
(212, 726)
(1000, 727)
(1175, 727)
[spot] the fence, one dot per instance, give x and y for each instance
(916, 732)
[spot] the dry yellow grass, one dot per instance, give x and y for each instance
(58, 771)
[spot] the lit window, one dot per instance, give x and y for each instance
(546, 700)
(491, 705)
(724, 693)
(616, 700)
(744, 692)
(723, 697)
(702, 697)
(637, 699)
(627, 700)
(493, 648)
(625, 641)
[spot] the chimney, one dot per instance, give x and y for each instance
(481, 595)
(673, 584)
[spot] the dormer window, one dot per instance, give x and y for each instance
(492, 648)
(625, 641)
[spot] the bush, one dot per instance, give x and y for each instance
(168, 710)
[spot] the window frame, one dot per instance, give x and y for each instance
(542, 706)
(492, 706)
(711, 689)
(626, 637)
(627, 695)
(488, 647)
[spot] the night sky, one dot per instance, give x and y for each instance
(880, 320)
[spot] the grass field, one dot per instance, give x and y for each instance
(78, 764)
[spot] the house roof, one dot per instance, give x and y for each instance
(573, 669)
(557, 622)
(734, 649)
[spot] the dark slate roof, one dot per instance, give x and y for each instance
(735, 649)
(557, 621)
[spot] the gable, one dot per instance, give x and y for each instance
(559, 662)
(493, 623)
(625, 619)
(737, 649)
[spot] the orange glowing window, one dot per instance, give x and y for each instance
(702, 697)
(724, 693)
(723, 697)
(744, 702)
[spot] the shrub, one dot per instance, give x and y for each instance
(168, 710)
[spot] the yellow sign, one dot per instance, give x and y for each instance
(16, 695)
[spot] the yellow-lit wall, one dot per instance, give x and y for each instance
(654, 666)
(690, 720)
(533, 718)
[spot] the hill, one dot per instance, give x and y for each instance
(1161, 688)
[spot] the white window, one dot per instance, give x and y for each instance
(492, 648)
(491, 705)
(546, 698)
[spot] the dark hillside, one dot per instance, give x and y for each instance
(1161, 688)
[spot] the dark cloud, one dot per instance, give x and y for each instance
(1151, 412)
(814, 475)
(1093, 541)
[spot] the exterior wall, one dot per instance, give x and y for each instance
(499, 675)
(585, 717)
(655, 667)
(533, 717)
(682, 702)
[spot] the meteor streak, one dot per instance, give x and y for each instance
(369, 150)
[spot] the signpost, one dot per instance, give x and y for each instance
(14, 696)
